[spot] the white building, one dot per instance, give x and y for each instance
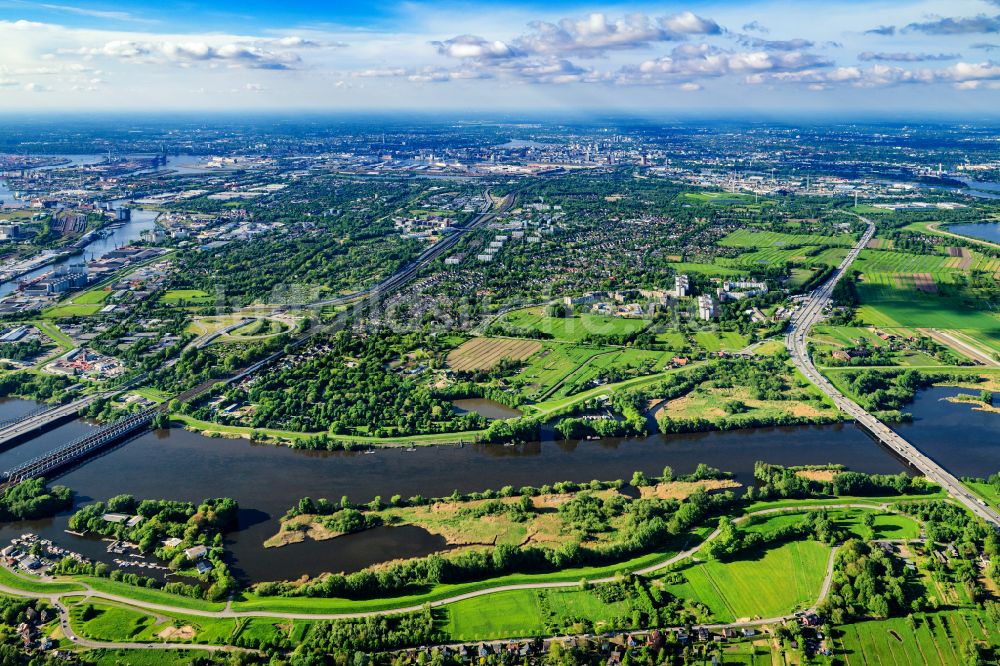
(706, 307)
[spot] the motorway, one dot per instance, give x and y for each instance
(44, 418)
(801, 323)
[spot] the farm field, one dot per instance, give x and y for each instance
(554, 363)
(484, 353)
(575, 328)
(887, 261)
(845, 336)
(886, 307)
(626, 361)
(718, 197)
(759, 239)
(748, 587)
(938, 639)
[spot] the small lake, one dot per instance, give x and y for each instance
(485, 407)
(988, 231)
(267, 480)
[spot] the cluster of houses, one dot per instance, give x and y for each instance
(30, 630)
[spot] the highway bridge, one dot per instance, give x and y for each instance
(41, 419)
(813, 310)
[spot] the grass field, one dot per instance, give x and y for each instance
(887, 525)
(886, 307)
(766, 583)
(92, 297)
(484, 353)
(189, 296)
(60, 311)
(572, 329)
(761, 239)
(713, 341)
(938, 639)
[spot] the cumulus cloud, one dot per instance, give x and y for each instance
(906, 56)
(593, 35)
(689, 61)
(186, 54)
(957, 26)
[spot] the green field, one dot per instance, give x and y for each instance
(92, 297)
(575, 328)
(60, 311)
(760, 239)
(773, 582)
(189, 296)
(886, 307)
(713, 341)
(741, 588)
(938, 640)
(887, 525)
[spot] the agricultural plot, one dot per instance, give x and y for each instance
(484, 353)
(572, 329)
(625, 361)
(937, 639)
(760, 239)
(886, 307)
(884, 261)
(554, 363)
(717, 197)
(767, 583)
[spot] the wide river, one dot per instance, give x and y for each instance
(267, 480)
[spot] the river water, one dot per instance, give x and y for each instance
(267, 480)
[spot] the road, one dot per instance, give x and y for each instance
(43, 419)
(228, 612)
(802, 321)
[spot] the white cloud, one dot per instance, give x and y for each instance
(232, 54)
(593, 35)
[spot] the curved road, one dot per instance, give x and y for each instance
(795, 340)
(56, 598)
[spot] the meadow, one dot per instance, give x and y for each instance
(575, 328)
(937, 639)
(886, 307)
(759, 239)
(766, 583)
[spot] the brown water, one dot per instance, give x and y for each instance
(267, 480)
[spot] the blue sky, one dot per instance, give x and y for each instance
(887, 57)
